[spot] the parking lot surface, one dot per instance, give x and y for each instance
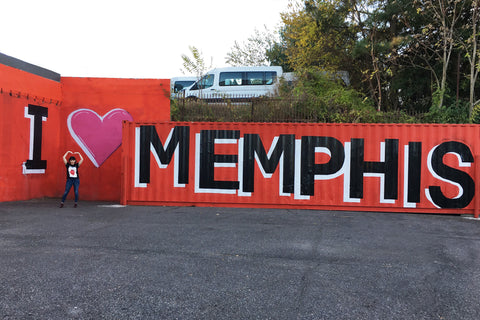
(104, 261)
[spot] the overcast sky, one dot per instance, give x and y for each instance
(128, 39)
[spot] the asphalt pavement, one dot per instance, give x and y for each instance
(105, 261)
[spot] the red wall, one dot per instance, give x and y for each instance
(142, 99)
(18, 89)
(96, 108)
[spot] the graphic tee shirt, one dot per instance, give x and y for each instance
(72, 171)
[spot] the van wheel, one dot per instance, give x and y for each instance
(192, 98)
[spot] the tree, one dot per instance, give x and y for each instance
(252, 52)
(345, 35)
(471, 45)
(317, 35)
(435, 41)
(474, 54)
(373, 46)
(277, 56)
(195, 64)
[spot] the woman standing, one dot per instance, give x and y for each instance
(72, 176)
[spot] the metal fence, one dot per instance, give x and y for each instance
(240, 109)
(276, 109)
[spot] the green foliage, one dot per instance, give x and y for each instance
(454, 113)
(475, 117)
(199, 110)
(324, 99)
(317, 35)
(196, 63)
(277, 56)
(329, 100)
(412, 87)
(396, 51)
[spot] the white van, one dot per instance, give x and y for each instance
(231, 82)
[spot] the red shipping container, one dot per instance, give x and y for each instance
(379, 167)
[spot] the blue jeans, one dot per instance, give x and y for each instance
(75, 182)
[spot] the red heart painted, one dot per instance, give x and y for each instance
(98, 136)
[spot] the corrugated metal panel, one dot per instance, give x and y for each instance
(383, 167)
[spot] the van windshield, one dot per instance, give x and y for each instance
(179, 85)
(205, 82)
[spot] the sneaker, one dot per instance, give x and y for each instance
(61, 205)
(75, 205)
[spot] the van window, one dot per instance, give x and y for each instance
(247, 78)
(204, 83)
(270, 77)
(255, 78)
(231, 79)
